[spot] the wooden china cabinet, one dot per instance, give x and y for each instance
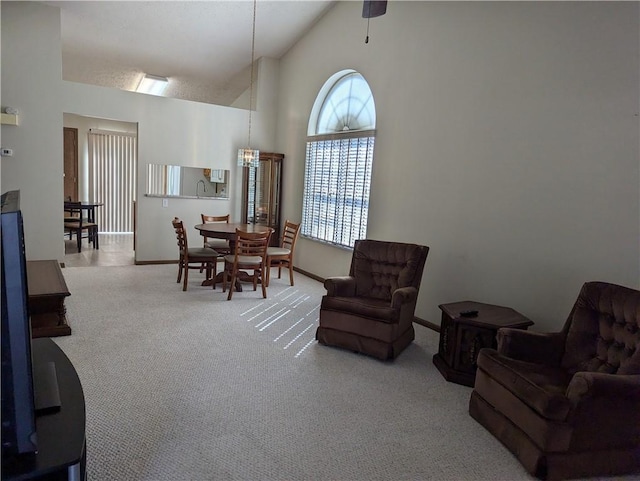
(262, 193)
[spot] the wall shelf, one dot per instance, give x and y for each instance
(9, 119)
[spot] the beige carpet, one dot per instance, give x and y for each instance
(189, 386)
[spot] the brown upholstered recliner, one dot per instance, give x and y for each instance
(567, 404)
(371, 310)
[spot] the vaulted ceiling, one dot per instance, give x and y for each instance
(203, 47)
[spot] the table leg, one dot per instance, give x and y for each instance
(218, 278)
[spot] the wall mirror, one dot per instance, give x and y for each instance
(190, 182)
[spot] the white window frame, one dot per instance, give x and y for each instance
(337, 180)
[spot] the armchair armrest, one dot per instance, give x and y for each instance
(584, 385)
(604, 409)
(341, 286)
(538, 347)
(403, 295)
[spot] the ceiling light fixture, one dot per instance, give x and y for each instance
(371, 9)
(248, 157)
(152, 84)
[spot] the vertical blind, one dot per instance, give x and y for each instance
(164, 179)
(112, 178)
(336, 187)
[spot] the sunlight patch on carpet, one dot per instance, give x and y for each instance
(291, 316)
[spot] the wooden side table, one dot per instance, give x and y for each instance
(461, 338)
(47, 291)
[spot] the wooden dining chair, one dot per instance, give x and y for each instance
(74, 223)
(282, 256)
(250, 254)
(193, 257)
(69, 216)
(221, 246)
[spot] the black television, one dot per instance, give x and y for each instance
(17, 396)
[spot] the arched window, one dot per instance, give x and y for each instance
(339, 158)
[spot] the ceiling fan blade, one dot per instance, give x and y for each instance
(374, 8)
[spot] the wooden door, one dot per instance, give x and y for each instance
(70, 163)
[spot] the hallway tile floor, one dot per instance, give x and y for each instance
(115, 250)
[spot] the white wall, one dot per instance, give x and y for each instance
(507, 142)
(170, 131)
(31, 79)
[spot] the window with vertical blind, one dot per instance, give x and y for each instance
(112, 178)
(338, 163)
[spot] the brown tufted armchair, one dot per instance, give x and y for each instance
(371, 310)
(567, 404)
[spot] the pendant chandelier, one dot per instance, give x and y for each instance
(248, 157)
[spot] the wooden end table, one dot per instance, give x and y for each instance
(47, 291)
(461, 338)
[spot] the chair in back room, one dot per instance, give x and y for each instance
(74, 223)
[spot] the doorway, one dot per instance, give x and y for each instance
(101, 175)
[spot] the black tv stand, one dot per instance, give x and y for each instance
(46, 390)
(61, 430)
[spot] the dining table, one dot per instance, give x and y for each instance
(224, 230)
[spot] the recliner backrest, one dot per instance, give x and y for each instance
(381, 267)
(603, 330)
